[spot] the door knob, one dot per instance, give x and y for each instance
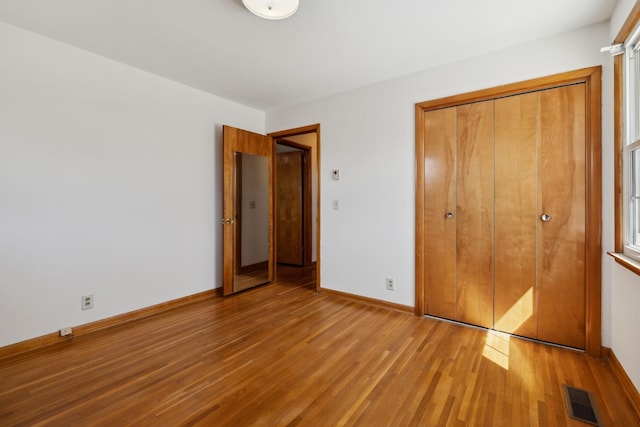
(449, 215)
(545, 218)
(227, 221)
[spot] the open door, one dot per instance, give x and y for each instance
(248, 200)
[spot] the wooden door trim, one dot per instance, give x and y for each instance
(283, 134)
(618, 134)
(591, 77)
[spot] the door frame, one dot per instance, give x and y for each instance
(283, 135)
(591, 77)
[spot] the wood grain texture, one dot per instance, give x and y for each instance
(420, 226)
(370, 301)
(541, 83)
(475, 213)
(283, 355)
(516, 219)
(618, 128)
(618, 151)
(440, 142)
(593, 217)
(289, 214)
(629, 24)
(313, 148)
(628, 263)
(242, 141)
(593, 213)
(562, 248)
(38, 343)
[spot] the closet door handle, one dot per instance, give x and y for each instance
(449, 215)
(545, 217)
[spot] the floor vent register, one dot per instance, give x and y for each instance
(581, 405)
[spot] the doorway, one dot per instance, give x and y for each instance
(296, 212)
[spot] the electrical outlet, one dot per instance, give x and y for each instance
(65, 332)
(390, 284)
(87, 302)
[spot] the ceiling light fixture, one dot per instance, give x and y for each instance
(272, 9)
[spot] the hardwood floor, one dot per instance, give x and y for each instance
(284, 355)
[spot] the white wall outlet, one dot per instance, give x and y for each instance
(335, 205)
(65, 332)
(390, 283)
(87, 302)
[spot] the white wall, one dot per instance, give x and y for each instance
(110, 182)
(624, 290)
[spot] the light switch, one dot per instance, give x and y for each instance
(336, 204)
(335, 174)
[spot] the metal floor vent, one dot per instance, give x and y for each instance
(581, 405)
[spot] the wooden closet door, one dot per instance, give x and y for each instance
(475, 213)
(516, 215)
(289, 212)
(561, 310)
(440, 131)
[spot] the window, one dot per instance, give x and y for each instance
(631, 152)
(626, 70)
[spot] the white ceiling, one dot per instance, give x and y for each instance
(327, 47)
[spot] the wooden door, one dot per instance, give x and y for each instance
(440, 146)
(546, 265)
(475, 206)
(290, 215)
(458, 213)
(247, 174)
(494, 262)
(516, 214)
(562, 246)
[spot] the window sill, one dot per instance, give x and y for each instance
(627, 262)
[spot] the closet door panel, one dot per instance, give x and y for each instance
(561, 310)
(515, 308)
(475, 203)
(440, 198)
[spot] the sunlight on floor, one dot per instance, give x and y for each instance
(496, 348)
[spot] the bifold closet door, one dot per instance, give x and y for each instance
(475, 209)
(440, 152)
(516, 215)
(562, 198)
(459, 163)
(506, 211)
